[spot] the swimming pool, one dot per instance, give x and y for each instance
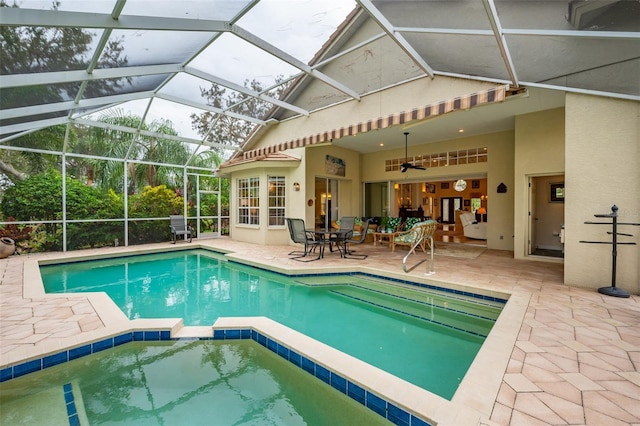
(179, 383)
(420, 335)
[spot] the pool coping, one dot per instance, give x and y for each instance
(472, 403)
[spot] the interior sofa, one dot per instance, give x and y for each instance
(472, 228)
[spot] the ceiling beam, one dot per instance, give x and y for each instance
(269, 48)
(32, 125)
(36, 79)
(147, 133)
(70, 105)
(14, 16)
(233, 86)
(395, 35)
(494, 21)
(209, 108)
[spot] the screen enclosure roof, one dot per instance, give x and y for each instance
(155, 58)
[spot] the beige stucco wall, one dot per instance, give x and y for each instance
(603, 169)
(420, 92)
(349, 186)
(539, 150)
(263, 234)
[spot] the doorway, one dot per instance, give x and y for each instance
(326, 195)
(546, 216)
(208, 213)
(448, 207)
(376, 199)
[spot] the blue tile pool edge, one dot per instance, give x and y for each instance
(361, 274)
(386, 409)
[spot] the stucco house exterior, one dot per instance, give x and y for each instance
(513, 146)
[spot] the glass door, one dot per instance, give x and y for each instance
(376, 199)
(448, 206)
(326, 206)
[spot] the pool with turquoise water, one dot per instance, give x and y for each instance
(422, 335)
(179, 383)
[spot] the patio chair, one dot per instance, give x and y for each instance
(312, 241)
(359, 240)
(346, 225)
(179, 226)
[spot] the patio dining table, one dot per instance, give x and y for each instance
(337, 236)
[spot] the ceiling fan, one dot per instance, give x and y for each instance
(407, 165)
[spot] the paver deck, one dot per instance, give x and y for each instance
(575, 361)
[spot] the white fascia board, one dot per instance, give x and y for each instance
(622, 35)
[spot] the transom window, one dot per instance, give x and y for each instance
(443, 159)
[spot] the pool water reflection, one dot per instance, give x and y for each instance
(428, 338)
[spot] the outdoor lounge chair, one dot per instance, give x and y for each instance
(413, 234)
(312, 241)
(179, 226)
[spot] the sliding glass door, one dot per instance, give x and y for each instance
(326, 205)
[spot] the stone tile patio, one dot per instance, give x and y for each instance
(576, 359)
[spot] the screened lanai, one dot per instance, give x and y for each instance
(123, 95)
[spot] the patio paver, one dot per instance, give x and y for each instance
(575, 360)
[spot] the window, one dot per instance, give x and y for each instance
(249, 201)
(442, 159)
(276, 200)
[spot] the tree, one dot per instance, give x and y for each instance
(222, 129)
(27, 50)
(107, 142)
(39, 198)
(18, 165)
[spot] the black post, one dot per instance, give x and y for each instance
(613, 290)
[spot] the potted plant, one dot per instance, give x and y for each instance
(392, 224)
(384, 223)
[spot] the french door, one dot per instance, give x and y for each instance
(448, 207)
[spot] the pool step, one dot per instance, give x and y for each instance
(56, 405)
(435, 313)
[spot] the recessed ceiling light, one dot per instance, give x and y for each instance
(381, 144)
(460, 130)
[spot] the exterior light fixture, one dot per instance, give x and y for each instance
(296, 186)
